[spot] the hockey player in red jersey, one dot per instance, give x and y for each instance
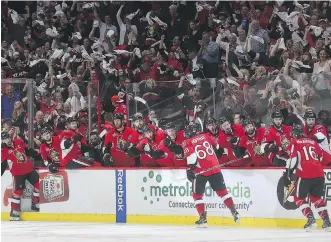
(120, 144)
(212, 129)
(14, 155)
(138, 122)
(305, 158)
(74, 148)
(148, 146)
(276, 140)
(318, 133)
(176, 137)
(50, 149)
(252, 142)
(201, 154)
(229, 139)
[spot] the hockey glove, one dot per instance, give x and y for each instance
(123, 145)
(234, 140)
(272, 148)
(168, 142)
(78, 138)
(108, 160)
(53, 168)
(190, 174)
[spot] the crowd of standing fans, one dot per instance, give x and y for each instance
(145, 70)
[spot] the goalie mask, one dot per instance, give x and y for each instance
(6, 140)
(170, 129)
(310, 119)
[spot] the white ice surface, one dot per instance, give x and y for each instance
(81, 232)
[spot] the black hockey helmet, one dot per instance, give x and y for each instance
(146, 129)
(170, 126)
(137, 116)
(210, 121)
(297, 131)
(4, 135)
(119, 116)
(46, 128)
(247, 122)
(309, 114)
(277, 114)
(223, 120)
(192, 130)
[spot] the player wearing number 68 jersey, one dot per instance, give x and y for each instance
(202, 153)
(305, 158)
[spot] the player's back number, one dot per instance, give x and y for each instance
(202, 150)
(310, 153)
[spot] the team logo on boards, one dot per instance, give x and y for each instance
(286, 195)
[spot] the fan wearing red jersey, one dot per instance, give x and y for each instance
(120, 144)
(318, 133)
(276, 140)
(50, 149)
(229, 139)
(305, 158)
(14, 155)
(252, 141)
(174, 138)
(201, 153)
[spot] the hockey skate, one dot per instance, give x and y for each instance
(202, 222)
(236, 216)
(326, 224)
(311, 223)
(35, 207)
(14, 215)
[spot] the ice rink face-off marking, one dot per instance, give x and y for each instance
(88, 232)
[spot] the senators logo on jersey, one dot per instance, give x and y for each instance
(20, 157)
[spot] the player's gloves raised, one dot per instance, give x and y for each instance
(190, 174)
(272, 148)
(53, 168)
(107, 160)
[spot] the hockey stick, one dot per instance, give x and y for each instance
(215, 167)
(139, 99)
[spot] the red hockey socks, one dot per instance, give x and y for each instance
(199, 203)
(303, 206)
(227, 199)
(16, 200)
(320, 206)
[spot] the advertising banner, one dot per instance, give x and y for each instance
(256, 193)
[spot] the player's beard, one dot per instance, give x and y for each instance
(47, 138)
(213, 131)
(228, 131)
(251, 132)
(310, 125)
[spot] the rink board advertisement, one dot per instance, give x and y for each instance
(157, 196)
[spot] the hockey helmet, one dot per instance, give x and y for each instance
(210, 121)
(247, 122)
(46, 129)
(170, 126)
(277, 114)
(119, 116)
(309, 114)
(4, 135)
(297, 131)
(137, 116)
(6, 139)
(191, 130)
(223, 120)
